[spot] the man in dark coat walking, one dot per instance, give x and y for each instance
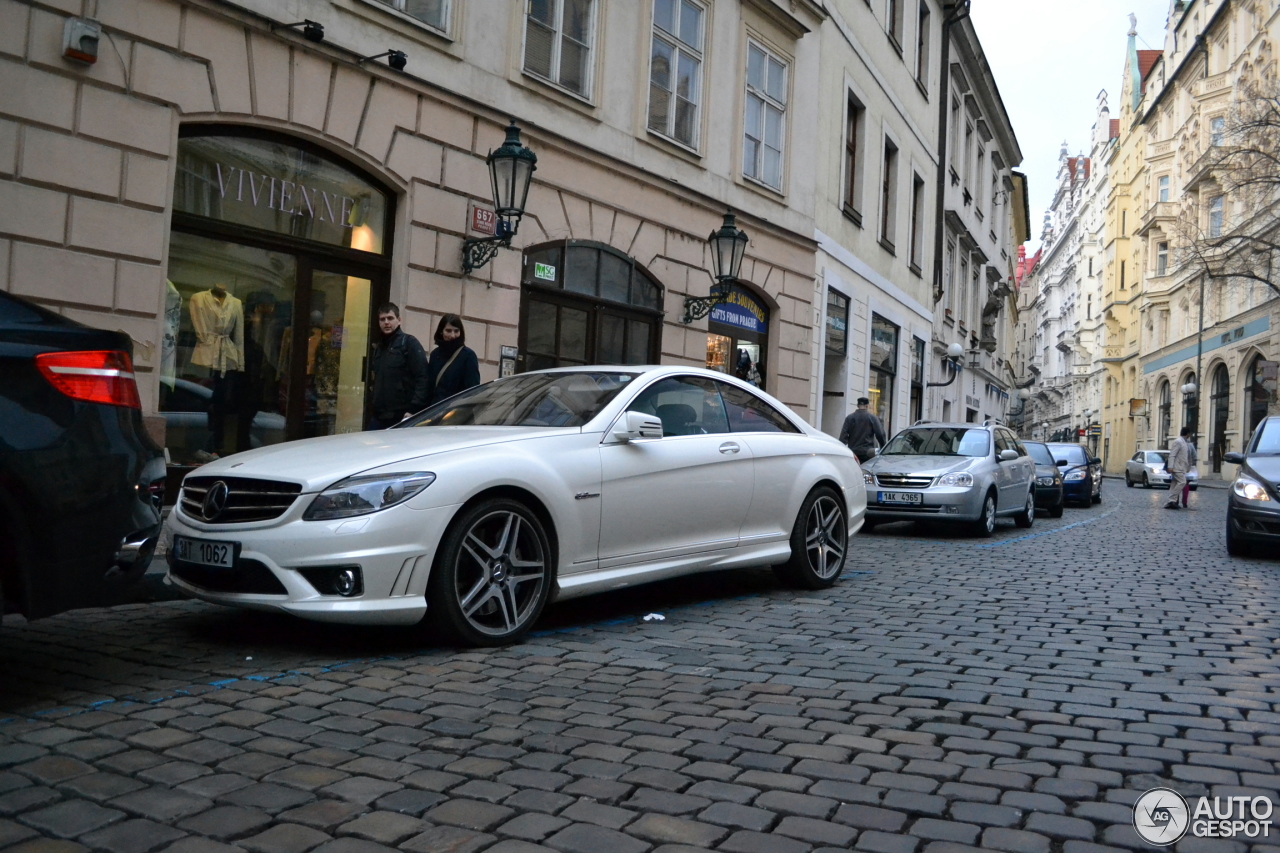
(398, 371)
(862, 431)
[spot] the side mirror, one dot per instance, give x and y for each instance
(633, 426)
(1233, 457)
(1095, 461)
(1061, 463)
(1008, 455)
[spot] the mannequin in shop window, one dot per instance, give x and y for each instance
(324, 354)
(218, 320)
(261, 384)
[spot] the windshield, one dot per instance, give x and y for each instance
(1157, 458)
(1268, 441)
(939, 441)
(1039, 453)
(534, 399)
(1073, 453)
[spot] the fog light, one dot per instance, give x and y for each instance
(346, 581)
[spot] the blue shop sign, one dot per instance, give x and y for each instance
(742, 311)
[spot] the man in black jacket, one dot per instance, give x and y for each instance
(398, 371)
(862, 431)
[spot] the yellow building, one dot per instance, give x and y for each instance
(1113, 434)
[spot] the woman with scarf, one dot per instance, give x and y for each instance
(453, 366)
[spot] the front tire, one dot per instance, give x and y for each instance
(819, 540)
(986, 523)
(493, 575)
(1146, 481)
(1056, 512)
(1236, 546)
(1027, 517)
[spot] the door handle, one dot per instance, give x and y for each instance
(730, 447)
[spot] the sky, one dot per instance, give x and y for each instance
(1050, 60)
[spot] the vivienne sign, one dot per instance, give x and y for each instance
(274, 186)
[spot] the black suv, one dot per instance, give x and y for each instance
(1253, 504)
(81, 483)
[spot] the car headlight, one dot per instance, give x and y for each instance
(1074, 476)
(960, 479)
(366, 494)
(1046, 481)
(869, 479)
(1250, 489)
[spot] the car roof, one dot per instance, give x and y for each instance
(949, 425)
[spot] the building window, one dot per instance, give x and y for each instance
(917, 380)
(1215, 216)
(738, 336)
(675, 70)
(557, 43)
(1165, 415)
(888, 195)
(1162, 258)
(917, 223)
(922, 47)
(1122, 275)
(949, 276)
(953, 132)
(893, 19)
(433, 13)
(1163, 183)
(978, 174)
(837, 323)
(884, 369)
(852, 161)
(1124, 222)
(1220, 408)
(765, 114)
(584, 303)
(1217, 129)
(1260, 382)
(961, 284)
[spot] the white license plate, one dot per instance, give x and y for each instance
(900, 498)
(203, 552)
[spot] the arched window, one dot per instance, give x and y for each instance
(1165, 416)
(1259, 391)
(1190, 411)
(1219, 406)
(587, 303)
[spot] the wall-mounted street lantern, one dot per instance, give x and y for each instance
(511, 169)
(728, 245)
(955, 352)
(311, 30)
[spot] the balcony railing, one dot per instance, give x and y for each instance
(1209, 85)
(1161, 211)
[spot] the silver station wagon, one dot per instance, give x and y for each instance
(967, 473)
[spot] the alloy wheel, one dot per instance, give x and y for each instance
(989, 514)
(500, 573)
(825, 537)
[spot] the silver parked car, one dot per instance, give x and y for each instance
(971, 473)
(1146, 469)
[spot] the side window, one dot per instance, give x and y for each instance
(1002, 442)
(1018, 445)
(686, 405)
(1137, 457)
(748, 413)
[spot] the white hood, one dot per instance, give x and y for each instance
(319, 462)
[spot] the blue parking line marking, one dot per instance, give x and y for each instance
(1049, 532)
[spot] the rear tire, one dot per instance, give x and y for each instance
(1128, 481)
(493, 575)
(1027, 517)
(986, 523)
(819, 542)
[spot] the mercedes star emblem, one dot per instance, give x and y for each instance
(215, 500)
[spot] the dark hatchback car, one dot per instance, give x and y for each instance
(1049, 492)
(81, 483)
(1253, 504)
(1081, 473)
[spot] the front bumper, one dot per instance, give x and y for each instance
(1048, 497)
(1077, 490)
(943, 503)
(1253, 524)
(393, 548)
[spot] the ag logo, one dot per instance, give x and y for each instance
(1161, 816)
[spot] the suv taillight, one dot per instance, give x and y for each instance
(96, 376)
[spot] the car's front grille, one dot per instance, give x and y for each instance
(245, 499)
(904, 481)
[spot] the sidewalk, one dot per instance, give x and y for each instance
(1202, 483)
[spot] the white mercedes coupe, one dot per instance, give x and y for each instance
(532, 488)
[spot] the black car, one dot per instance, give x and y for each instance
(1253, 504)
(1049, 493)
(81, 483)
(1081, 473)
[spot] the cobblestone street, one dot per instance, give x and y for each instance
(1015, 694)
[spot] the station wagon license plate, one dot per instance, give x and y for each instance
(899, 498)
(204, 552)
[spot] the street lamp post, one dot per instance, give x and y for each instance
(511, 169)
(728, 245)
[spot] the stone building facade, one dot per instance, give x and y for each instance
(211, 146)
